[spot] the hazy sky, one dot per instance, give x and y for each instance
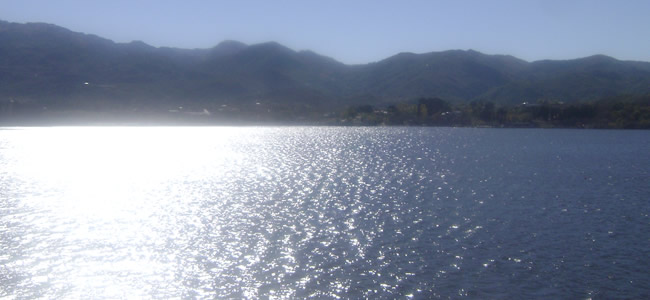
(363, 31)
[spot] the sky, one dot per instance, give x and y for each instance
(363, 31)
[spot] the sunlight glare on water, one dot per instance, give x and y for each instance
(103, 168)
(106, 187)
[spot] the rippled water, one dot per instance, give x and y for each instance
(298, 212)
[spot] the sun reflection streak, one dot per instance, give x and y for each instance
(102, 169)
(112, 191)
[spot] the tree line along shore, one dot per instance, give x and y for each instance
(621, 112)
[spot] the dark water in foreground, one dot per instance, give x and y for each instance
(324, 212)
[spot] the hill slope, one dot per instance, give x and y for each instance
(45, 65)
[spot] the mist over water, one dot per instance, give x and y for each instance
(295, 212)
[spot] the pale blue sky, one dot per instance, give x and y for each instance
(363, 31)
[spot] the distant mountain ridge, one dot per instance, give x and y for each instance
(50, 66)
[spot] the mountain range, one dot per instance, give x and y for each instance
(50, 66)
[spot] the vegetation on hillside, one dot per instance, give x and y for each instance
(49, 74)
(48, 66)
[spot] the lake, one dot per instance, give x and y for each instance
(325, 212)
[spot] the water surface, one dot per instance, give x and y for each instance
(294, 212)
